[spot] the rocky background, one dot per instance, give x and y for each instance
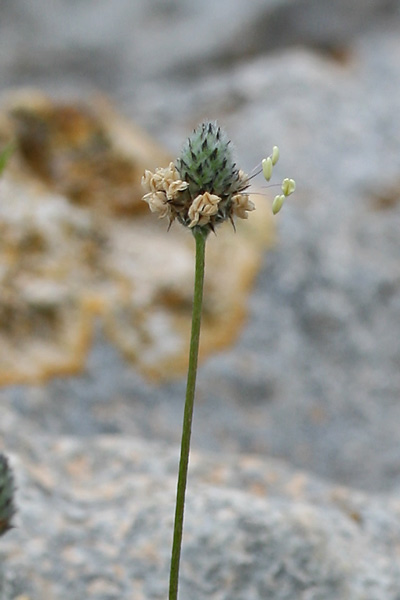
(295, 478)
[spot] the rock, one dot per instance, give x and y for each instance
(77, 241)
(121, 48)
(95, 519)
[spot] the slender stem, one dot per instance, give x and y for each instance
(200, 238)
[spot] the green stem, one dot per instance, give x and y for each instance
(200, 238)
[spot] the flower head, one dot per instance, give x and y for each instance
(204, 187)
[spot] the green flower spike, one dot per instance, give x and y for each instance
(7, 488)
(204, 187)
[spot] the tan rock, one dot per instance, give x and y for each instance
(76, 241)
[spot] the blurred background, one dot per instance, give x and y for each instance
(312, 374)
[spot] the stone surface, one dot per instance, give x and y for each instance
(95, 521)
(77, 242)
(314, 378)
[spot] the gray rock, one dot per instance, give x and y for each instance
(95, 519)
(119, 47)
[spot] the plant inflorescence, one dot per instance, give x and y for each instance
(202, 189)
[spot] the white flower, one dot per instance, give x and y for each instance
(157, 202)
(241, 205)
(164, 180)
(203, 207)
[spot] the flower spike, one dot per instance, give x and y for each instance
(204, 187)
